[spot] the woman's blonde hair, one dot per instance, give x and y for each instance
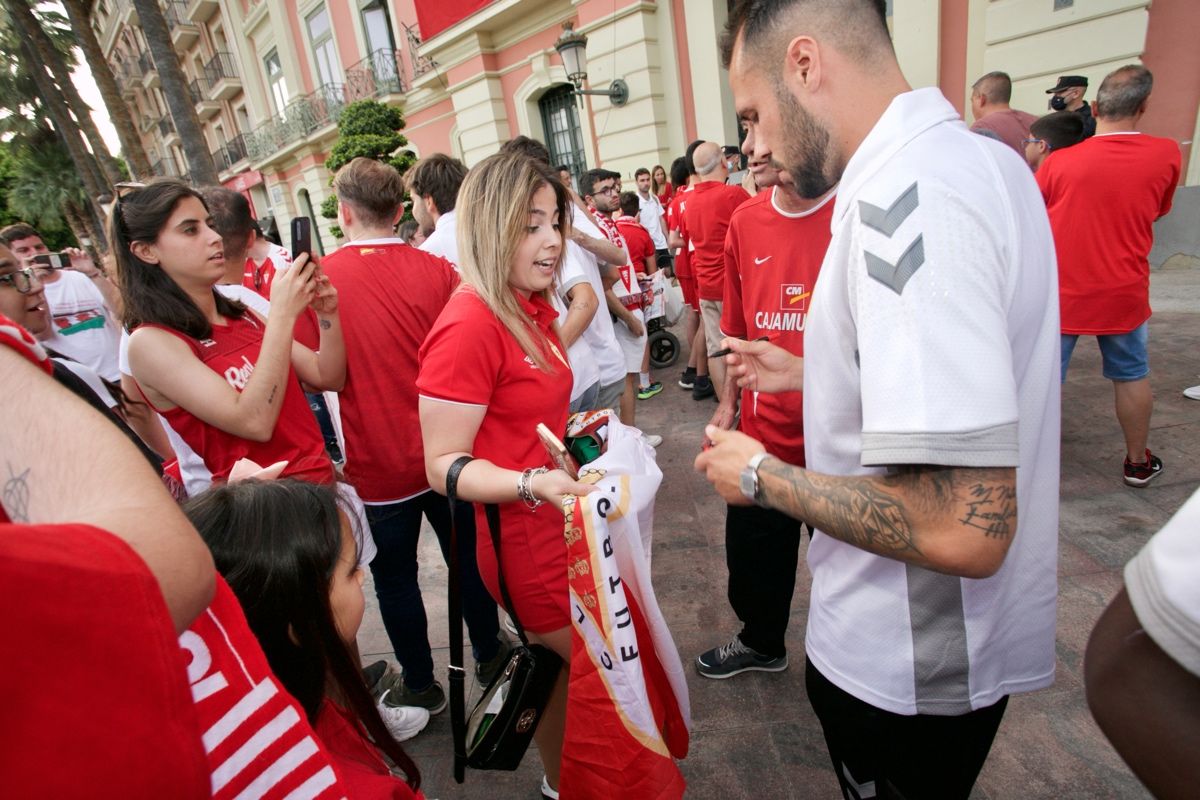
(493, 215)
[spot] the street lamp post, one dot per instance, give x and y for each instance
(572, 46)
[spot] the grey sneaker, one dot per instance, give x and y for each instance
(374, 675)
(485, 671)
(735, 658)
(432, 699)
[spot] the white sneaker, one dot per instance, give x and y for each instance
(510, 626)
(1192, 393)
(547, 792)
(652, 439)
(403, 722)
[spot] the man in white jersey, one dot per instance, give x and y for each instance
(931, 405)
(433, 183)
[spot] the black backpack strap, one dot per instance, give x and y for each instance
(458, 702)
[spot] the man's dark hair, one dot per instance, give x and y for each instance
(679, 173)
(1124, 91)
(687, 156)
(230, 217)
(857, 27)
(527, 146)
(1058, 130)
(640, 172)
(372, 188)
(17, 231)
(587, 183)
(996, 87)
(562, 168)
(439, 176)
(630, 205)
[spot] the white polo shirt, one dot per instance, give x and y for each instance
(933, 339)
(444, 239)
(650, 214)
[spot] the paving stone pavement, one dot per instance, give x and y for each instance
(755, 736)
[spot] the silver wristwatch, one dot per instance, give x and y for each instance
(749, 478)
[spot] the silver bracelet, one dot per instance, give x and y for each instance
(525, 487)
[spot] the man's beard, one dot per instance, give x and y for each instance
(805, 148)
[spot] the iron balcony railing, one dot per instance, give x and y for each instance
(175, 12)
(220, 67)
(378, 74)
(145, 63)
(420, 64)
(233, 152)
(198, 89)
(302, 117)
(166, 126)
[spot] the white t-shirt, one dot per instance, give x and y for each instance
(600, 334)
(1163, 581)
(584, 370)
(933, 339)
(84, 327)
(650, 214)
(444, 239)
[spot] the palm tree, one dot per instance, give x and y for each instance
(48, 57)
(78, 12)
(175, 89)
(46, 191)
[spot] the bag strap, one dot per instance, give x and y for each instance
(493, 517)
(457, 675)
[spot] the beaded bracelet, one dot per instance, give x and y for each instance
(525, 487)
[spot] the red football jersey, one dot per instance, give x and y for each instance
(1103, 196)
(675, 223)
(706, 220)
(389, 295)
(771, 264)
(638, 242)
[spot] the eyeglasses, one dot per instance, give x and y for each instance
(1031, 141)
(608, 190)
(23, 279)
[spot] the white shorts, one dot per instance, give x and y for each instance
(632, 347)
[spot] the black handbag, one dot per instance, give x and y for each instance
(501, 725)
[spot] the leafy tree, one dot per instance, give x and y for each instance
(367, 129)
(39, 185)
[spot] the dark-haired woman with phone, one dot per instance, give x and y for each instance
(224, 378)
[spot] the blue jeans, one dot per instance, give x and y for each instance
(1123, 354)
(396, 529)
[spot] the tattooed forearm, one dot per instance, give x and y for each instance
(16, 494)
(919, 514)
(326, 324)
(271, 397)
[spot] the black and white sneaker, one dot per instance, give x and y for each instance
(1141, 474)
(688, 379)
(735, 658)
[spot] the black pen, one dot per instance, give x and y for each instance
(724, 351)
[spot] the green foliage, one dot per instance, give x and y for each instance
(367, 129)
(39, 181)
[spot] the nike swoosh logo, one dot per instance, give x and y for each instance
(886, 221)
(762, 260)
(895, 276)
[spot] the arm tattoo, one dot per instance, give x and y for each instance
(271, 399)
(891, 514)
(16, 495)
(326, 324)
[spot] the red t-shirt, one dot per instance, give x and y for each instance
(232, 353)
(667, 193)
(257, 736)
(364, 773)
(470, 357)
(705, 222)
(637, 241)
(389, 296)
(771, 264)
(683, 267)
(1012, 126)
(96, 696)
(1103, 196)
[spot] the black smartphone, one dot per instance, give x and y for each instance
(301, 236)
(53, 260)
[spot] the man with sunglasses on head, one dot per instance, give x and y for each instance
(82, 302)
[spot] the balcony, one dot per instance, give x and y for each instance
(125, 13)
(165, 168)
(226, 157)
(128, 76)
(223, 80)
(206, 108)
(303, 117)
(184, 34)
(378, 74)
(200, 11)
(149, 73)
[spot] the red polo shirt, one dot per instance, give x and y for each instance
(771, 264)
(389, 295)
(705, 222)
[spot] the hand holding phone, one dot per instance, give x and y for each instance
(559, 454)
(301, 236)
(52, 260)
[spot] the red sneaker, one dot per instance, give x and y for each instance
(1141, 474)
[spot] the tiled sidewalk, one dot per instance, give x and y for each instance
(755, 736)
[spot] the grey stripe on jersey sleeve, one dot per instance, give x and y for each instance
(995, 446)
(941, 665)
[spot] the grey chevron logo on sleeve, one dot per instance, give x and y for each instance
(886, 221)
(895, 276)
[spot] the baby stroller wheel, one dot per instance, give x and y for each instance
(664, 349)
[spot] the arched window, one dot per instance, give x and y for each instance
(564, 137)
